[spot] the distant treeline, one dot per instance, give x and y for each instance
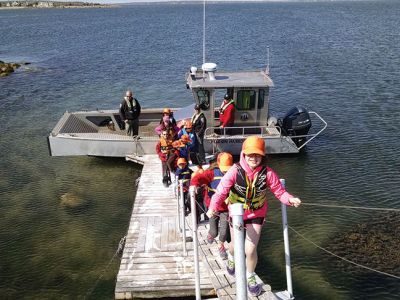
(47, 4)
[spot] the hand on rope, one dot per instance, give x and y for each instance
(295, 202)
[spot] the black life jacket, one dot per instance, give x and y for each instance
(252, 193)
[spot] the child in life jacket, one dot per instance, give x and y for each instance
(183, 147)
(184, 173)
(247, 183)
(211, 178)
(167, 156)
(170, 114)
(166, 125)
(192, 144)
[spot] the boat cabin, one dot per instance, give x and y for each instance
(248, 89)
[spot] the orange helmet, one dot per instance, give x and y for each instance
(185, 139)
(254, 145)
(176, 144)
(224, 161)
(166, 111)
(181, 161)
(188, 124)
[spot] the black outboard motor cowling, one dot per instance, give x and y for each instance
(296, 122)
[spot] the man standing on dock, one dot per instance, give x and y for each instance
(130, 111)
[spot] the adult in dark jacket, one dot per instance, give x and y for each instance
(129, 111)
(199, 123)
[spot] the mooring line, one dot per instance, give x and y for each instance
(89, 292)
(350, 207)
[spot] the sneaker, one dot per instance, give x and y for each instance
(210, 239)
(254, 288)
(230, 267)
(222, 252)
(165, 181)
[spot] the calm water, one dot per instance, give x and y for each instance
(339, 59)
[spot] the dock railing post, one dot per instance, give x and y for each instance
(193, 205)
(287, 248)
(178, 197)
(240, 260)
(181, 216)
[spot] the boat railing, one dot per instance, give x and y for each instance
(310, 137)
(263, 131)
(217, 132)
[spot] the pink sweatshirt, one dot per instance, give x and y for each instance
(229, 180)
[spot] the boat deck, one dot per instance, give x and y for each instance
(153, 264)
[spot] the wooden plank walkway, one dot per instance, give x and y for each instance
(153, 264)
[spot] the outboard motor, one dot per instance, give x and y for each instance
(296, 122)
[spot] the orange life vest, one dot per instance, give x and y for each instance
(166, 145)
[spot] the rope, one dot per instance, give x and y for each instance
(349, 207)
(90, 291)
(316, 245)
(118, 253)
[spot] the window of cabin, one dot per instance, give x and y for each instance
(203, 97)
(261, 95)
(246, 100)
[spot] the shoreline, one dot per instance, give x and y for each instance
(58, 7)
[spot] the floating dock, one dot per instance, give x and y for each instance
(154, 263)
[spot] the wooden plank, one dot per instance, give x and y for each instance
(141, 243)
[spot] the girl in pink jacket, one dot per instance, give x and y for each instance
(247, 183)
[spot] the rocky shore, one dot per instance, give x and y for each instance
(48, 4)
(8, 68)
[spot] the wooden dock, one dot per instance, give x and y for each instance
(153, 264)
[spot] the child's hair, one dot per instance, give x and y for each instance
(181, 161)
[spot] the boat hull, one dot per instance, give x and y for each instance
(88, 133)
(64, 145)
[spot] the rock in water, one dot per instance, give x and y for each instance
(70, 200)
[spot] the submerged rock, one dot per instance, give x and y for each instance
(374, 244)
(70, 200)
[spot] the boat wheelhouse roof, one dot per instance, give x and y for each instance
(230, 79)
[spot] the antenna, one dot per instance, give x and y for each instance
(267, 69)
(204, 31)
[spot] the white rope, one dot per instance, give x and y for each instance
(101, 276)
(350, 207)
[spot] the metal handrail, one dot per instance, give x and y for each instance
(242, 128)
(316, 134)
(181, 216)
(285, 228)
(193, 205)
